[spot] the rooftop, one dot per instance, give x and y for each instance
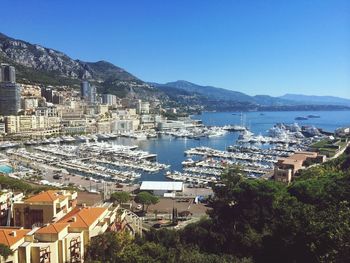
(49, 196)
(298, 157)
(54, 228)
(82, 217)
(158, 185)
(11, 235)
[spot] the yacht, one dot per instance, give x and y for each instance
(188, 162)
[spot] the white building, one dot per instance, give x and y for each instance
(161, 188)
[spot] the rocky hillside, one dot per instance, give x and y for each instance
(37, 64)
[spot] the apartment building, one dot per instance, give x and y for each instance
(7, 198)
(14, 238)
(90, 221)
(43, 208)
(286, 168)
(59, 242)
(31, 124)
(49, 227)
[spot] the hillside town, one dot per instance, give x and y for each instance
(37, 111)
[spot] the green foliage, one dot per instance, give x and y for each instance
(107, 247)
(5, 251)
(157, 246)
(19, 185)
(120, 197)
(145, 198)
(22, 186)
(262, 221)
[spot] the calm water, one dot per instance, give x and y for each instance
(171, 150)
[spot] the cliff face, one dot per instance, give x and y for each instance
(37, 64)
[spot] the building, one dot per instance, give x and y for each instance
(103, 126)
(14, 238)
(91, 221)
(47, 93)
(160, 188)
(10, 98)
(143, 107)
(63, 240)
(286, 168)
(10, 92)
(102, 109)
(43, 208)
(2, 128)
(29, 104)
(109, 99)
(48, 111)
(57, 99)
(119, 126)
(169, 125)
(88, 92)
(7, 73)
(6, 199)
(32, 125)
(49, 227)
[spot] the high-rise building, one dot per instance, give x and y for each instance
(10, 92)
(142, 107)
(8, 73)
(109, 99)
(57, 99)
(88, 92)
(47, 93)
(84, 89)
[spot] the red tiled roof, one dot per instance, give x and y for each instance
(84, 217)
(47, 196)
(8, 238)
(53, 228)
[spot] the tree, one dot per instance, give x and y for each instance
(120, 197)
(108, 246)
(145, 198)
(5, 251)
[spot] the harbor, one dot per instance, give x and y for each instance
(195, 155)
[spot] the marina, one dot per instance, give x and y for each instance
(100, 161)
(197, 155)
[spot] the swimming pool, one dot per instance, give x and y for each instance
(6, 169)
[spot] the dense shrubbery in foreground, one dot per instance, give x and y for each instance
(254, 221)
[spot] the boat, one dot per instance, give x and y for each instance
(300, 118)
(234, 128)
(68, 139)
(188, 162)
(245, 136)
(313, 116)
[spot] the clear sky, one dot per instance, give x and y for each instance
(256, 47)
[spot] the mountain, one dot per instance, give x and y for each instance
(38, 64)
(272, 101)
(219, 94)
(213, 98)
(316, 100)
(209, 91)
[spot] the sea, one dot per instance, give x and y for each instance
(170, 150)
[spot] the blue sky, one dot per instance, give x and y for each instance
(256, 47)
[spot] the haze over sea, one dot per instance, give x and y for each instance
(171, 150)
